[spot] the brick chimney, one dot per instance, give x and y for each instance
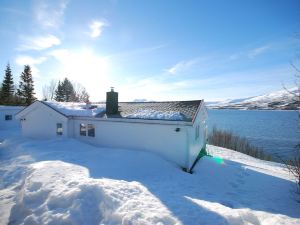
(111, 102)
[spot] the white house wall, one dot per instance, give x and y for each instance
(9, 111)
(157, 138)
(197, 143)
(41, 122)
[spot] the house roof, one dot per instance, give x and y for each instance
(8, 107)
(170, 110)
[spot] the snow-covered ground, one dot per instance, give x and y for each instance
(64, 181)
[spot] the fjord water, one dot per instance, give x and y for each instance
(277, 132)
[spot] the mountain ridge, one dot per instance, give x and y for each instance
(277, 100)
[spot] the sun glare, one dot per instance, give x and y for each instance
(87, 68)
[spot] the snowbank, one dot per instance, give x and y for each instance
(156, 115)
(64, 181)
(76, 108)
(55, 192)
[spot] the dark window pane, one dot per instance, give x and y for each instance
(8, 117)
(91, 130)
(59, 129)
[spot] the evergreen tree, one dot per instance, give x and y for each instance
(59, 93)
(7, 89)
(65, 92)
(69, 93)
(26, 86)
(1, 101)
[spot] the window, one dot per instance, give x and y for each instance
(82, 130)
(59, 129)
(87, 130)
(196, 132)
(91, 130)
(8, 117)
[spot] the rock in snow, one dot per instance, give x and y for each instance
(64, 181)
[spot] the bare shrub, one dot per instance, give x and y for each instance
(227, 139)
(293, 166)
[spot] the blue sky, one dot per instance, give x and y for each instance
(155, 50)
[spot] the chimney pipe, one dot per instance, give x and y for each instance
(111, 102)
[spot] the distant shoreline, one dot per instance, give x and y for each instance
(253, 109)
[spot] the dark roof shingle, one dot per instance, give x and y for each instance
(187, 109)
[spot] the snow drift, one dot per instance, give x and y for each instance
(55, 192)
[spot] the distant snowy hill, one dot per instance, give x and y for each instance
(276, 100)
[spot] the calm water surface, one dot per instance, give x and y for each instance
(276, 131)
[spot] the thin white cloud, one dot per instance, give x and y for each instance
(38, 42)
(28, 60)
(22, 60)
(14, 11)
(182, 66)
(96, 28)
(235, 56)
(258, 51)
(49, 13)
(237, 84)
(137, 52)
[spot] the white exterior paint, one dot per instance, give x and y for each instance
(157, 138)
(39, 121)
(197, 142)
(9, 110)
(161, 137)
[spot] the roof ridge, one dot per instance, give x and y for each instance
(166, 101)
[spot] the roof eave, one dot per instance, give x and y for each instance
(127, 120)
(198, 110)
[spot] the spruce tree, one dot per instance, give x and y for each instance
(26, 86)
(69, 94)
(65, 91)
(7, 89)
(59, 93)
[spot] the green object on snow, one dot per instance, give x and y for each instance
(218, 160)
(202, 152)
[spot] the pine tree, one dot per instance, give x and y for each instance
(26, 86)
(59, 93)
(65, 92)
(7, 89)
(69, 94)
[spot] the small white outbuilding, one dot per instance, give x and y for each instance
(176, 130)
(7, 116)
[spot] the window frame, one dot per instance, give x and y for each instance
(91, 130)
(82, 129)
(197, 132)
(59, 129)
(8, 117)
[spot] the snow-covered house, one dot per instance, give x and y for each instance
(7, 116)
(175, 130)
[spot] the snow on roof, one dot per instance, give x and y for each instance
(9, 107)
(171, 110)
(175, 110)
(156, 115)
(76, 108)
